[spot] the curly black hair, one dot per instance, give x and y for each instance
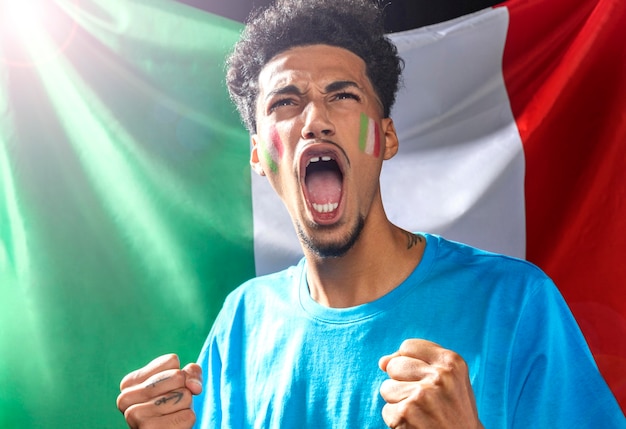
(355, 25)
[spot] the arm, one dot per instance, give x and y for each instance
(159, 394)
(429, 386)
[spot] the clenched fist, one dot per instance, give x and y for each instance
(428, 387)
(159, 394)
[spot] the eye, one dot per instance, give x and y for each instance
(347, 96)
(280, 103)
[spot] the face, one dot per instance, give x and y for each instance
(320, 141)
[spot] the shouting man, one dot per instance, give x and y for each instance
(376, 326)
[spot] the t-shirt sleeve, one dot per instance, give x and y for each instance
(207, 405)
(554, 381)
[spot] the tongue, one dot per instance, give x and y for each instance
(324, 186)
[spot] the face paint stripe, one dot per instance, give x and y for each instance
(363, 132)
(277, 142)
(268, 158)
(369, 136)
(376, 140)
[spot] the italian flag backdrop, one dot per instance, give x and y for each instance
(128, 210)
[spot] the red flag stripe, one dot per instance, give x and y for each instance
(564, 69)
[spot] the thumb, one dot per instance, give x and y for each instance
(193, 378)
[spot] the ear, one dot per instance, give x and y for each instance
(255, 163)
(391, 138)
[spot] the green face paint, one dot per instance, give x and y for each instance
(272, 152)
(267, 156)
(369, 136)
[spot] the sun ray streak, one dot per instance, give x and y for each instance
(100, 143)
(16, 273)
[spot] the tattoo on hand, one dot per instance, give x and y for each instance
(413, 239)
(155, 382)
(177, 396)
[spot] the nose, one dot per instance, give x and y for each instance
(317, 123)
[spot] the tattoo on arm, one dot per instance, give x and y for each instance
(176, 396)
(413, 239)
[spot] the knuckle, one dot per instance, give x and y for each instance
(451, 361)
(177, 377)
(164, 362)
(129, 379)
(133, 415)
(124, 401)
(170, 360)
(406, 345)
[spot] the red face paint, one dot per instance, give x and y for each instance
(277, 151)
(273, 151)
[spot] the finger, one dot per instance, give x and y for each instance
(163, 405)
(393, 391)
(433, 354)
(405, 415)
(390, 417)
(193, 380)
(168, 361)
(395, 415)
(183, 419)
(414, 347)
(383, 361)
(158, 384)
(420, 349)
(402, 368)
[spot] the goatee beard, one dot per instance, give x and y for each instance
(332, 250)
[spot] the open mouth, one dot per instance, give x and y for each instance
(323, 185)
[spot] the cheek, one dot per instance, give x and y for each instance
(369, 136)
(277, 144)
(272, 149)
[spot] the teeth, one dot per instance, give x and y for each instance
(325, 208)
(317, 159)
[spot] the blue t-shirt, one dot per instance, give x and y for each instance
(275, 358)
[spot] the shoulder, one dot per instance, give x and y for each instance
(467, 257)
(268, 283)
(461, 267)
(264, 290)
(258, 301)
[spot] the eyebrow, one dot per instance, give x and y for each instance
(289, 89)
(331, 87)
(340, 85)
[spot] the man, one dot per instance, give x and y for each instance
(376, 326)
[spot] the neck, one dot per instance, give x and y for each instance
(382, 258)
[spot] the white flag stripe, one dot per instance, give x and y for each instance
(275, 243)
(460, 169)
